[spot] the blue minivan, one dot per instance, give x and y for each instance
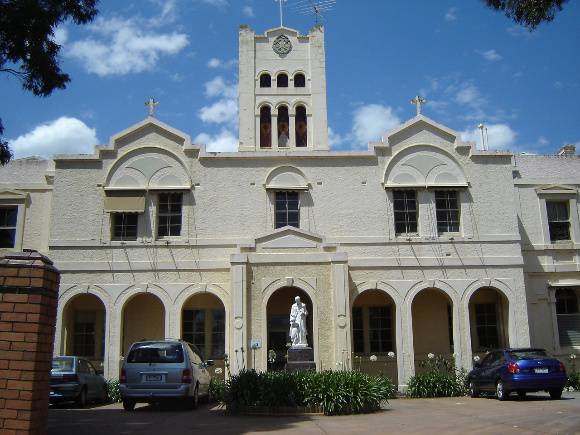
(517, 370)
(167, 369)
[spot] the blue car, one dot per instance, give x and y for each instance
(517, 370)
(74, 379)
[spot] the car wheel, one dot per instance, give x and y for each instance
(195, 398)
(555, 394)
(473, 390)
(82, 398)
(500, 391)
(522, 395)
(128, 405)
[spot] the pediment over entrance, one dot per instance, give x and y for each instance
(556, 189)
(289, 238)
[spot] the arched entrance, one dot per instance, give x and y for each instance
(203, 323)
(374, 334)
(278, 323)
(488, 320)
(143, 319)
(432, 312)
(83, 328)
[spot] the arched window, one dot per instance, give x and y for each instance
(301, 127)
(265, 127)
(282, 80)
(299, 80)
(283, 127)
(265, 81)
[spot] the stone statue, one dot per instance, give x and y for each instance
(298, 332)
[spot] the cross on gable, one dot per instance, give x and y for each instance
(418, 101)
(151, 104)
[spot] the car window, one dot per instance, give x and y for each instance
(62, 365)
(487, 360)
(156, 353)
(529, 354)
(92, 370)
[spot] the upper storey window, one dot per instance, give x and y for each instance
(169, 214)
(265, 81)
(282, 80)
(299, 80)
(8, 226)
(287, 209)
(265, 127)
(558, 220)
(124, 226)
(447, 207)
(406, 211)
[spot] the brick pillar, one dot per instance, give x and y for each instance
(28, 298)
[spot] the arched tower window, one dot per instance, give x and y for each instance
(265, 81)
(301, 127)
(265, 127)
(282, 80)
(283, 126)
(299, 80)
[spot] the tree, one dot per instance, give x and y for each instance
(27, 48)
(529, 13)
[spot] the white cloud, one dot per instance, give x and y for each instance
(500, 136)
(217, 87)
(214, 62)
(248, 11)
(334, 139)
(520, 32)
(451, 14)
(60, 35)
(224, 141)
(217, 3)
(490, 55)
(221, 112)
(62, 136)
(469, 95)
(370, 122)
(119, 47)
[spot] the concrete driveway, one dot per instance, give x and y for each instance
(537, 414)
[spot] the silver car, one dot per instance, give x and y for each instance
(165, 369)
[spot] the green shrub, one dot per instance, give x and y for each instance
(339, 392)
(217, 390)
(113, 390)
(573, 382)
(441, 379)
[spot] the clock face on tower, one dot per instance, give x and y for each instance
(282, 45)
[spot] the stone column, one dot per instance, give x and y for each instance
(292, 131)
(239, 317)
(342, 345)
(28, 299)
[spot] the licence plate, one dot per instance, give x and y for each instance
(541, 370)
(153, 378)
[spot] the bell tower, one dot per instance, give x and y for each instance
(282, 90)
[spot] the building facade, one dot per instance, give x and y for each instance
(421, 244)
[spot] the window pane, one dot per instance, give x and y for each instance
(169, 215)
(447, 211)
(358, 330)
(8, 216)
(7, 238)
(287, 210)
(486, 325)
(405, 211)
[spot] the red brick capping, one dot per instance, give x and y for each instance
(28, 298)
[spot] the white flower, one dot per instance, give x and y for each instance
(476, 358)
(391, 354)
(430, 356)
(373, 358)
(218, 371)
(573, 356)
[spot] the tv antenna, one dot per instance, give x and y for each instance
(484, 138)
(316, 7)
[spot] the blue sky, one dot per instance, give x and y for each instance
(472, 65)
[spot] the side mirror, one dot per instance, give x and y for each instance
(210, 362)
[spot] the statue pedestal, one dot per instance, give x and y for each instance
(300, 358)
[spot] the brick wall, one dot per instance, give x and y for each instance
(28, 298)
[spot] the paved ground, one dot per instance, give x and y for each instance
(537, 414)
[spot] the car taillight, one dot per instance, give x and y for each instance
(561, 367)
(69, 379)
(513, 367)
(186, 376)
(123, 377)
